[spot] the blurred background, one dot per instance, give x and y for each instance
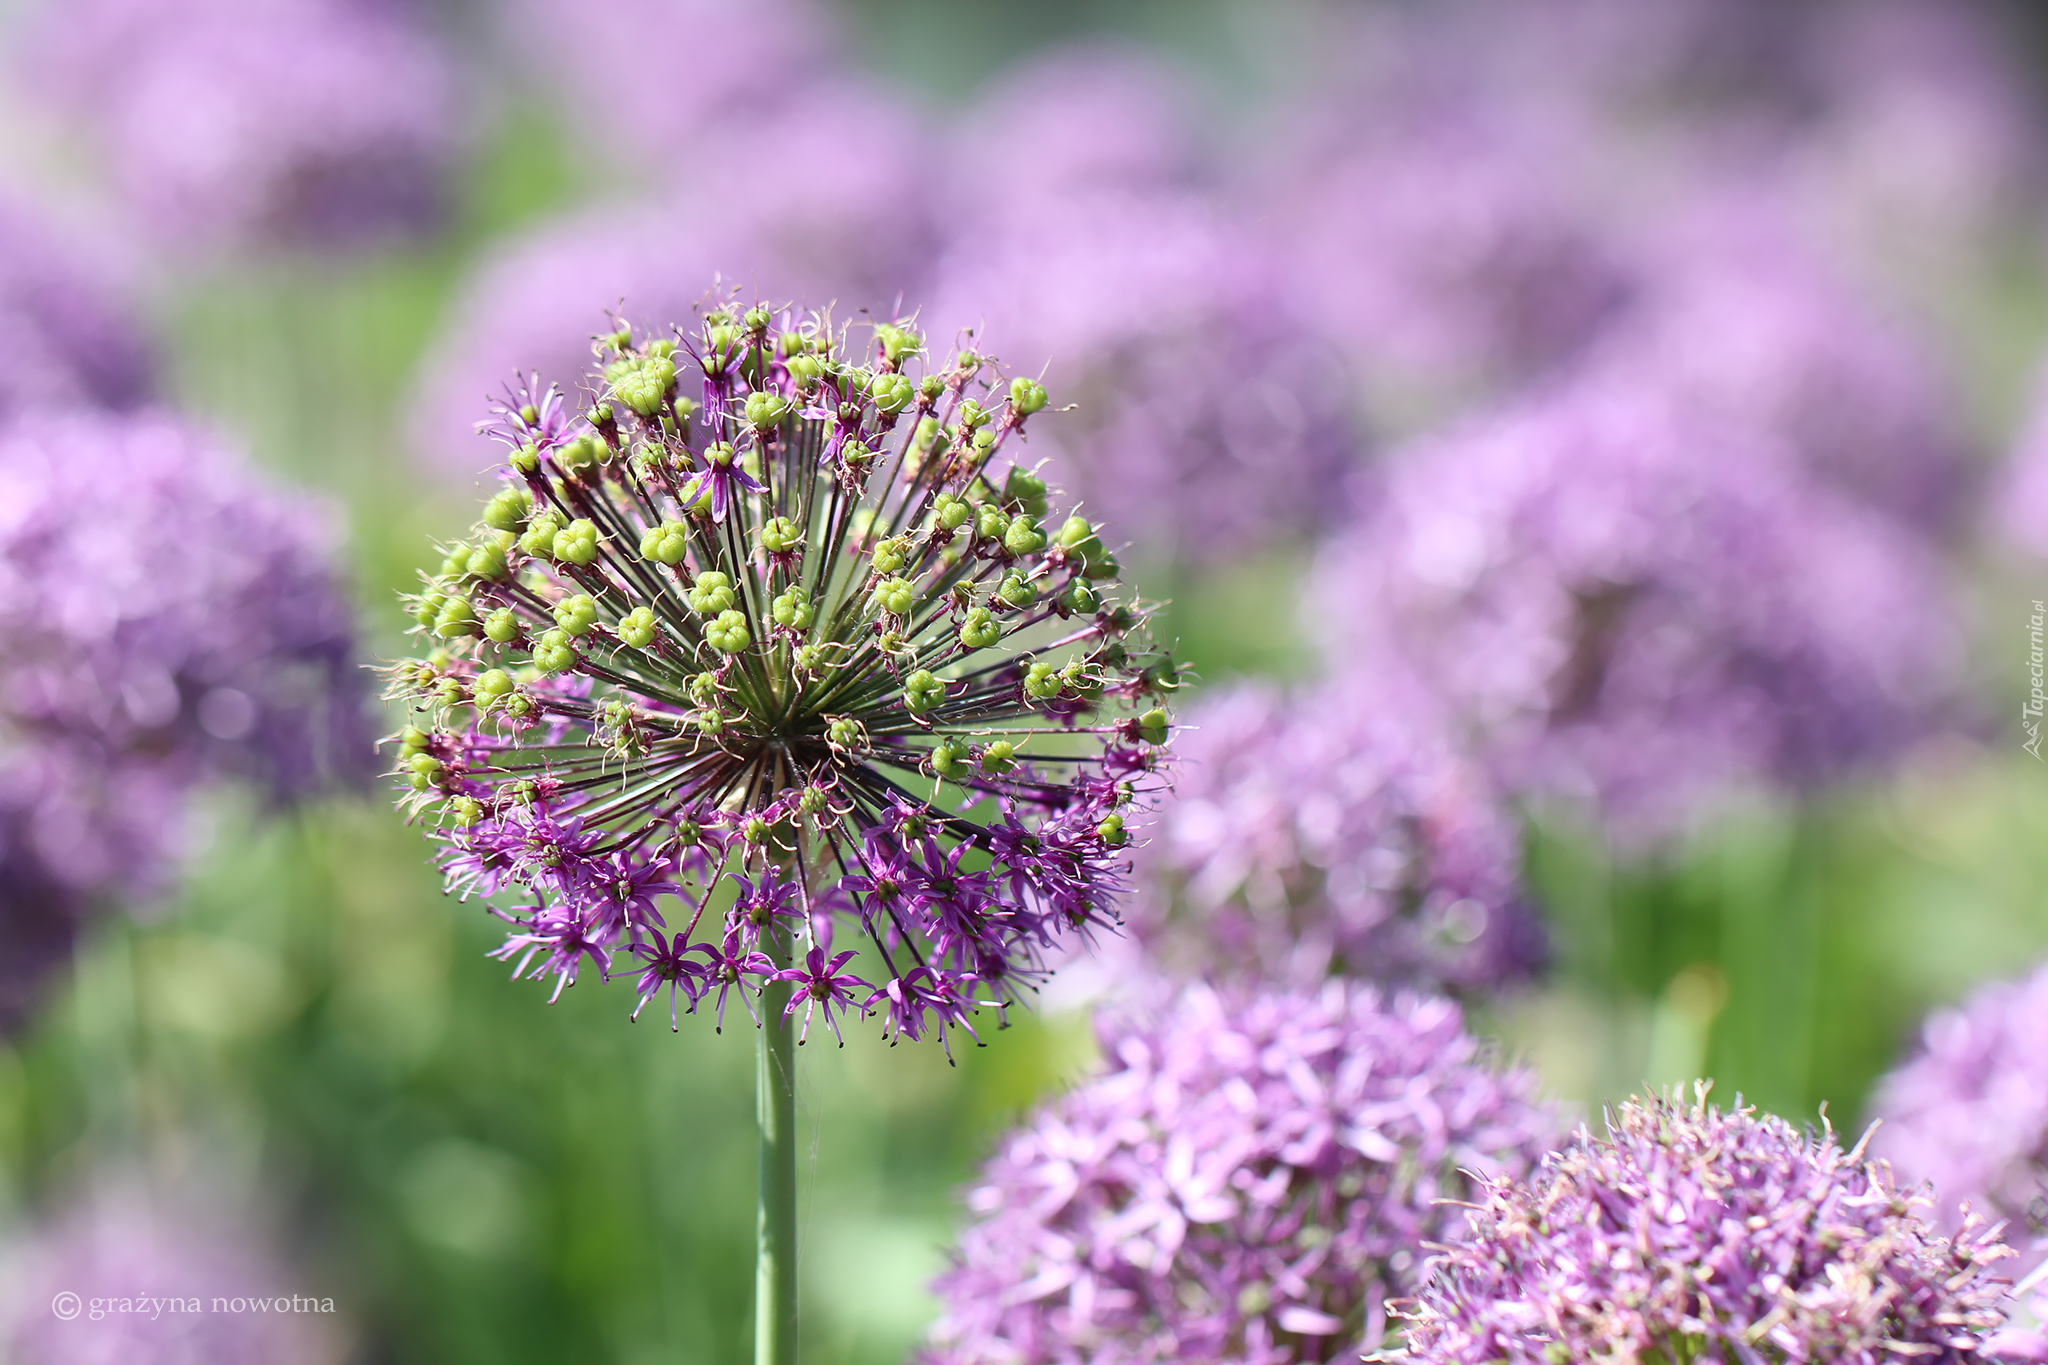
(1639, 399)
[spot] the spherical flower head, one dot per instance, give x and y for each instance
(1695, 1233)
(65, 339)
(737, 648)
(1208, 417)
(172, 622)
(1334, 830)
(1968, 1112)
(1631, 603)
(123, 1243)
(1248, 1177)
(230, 122)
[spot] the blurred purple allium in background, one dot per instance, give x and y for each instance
(1334, 830)
(663, 81)
(171, 621)
(852, 229)
(66, 339)
(1249, 1178)
(1210, 419)
(1692, 1233)
(1746, 321)
(122, 1244)
(2020, 513)
(1969, 1111)
(1630, 599)
(230, 122)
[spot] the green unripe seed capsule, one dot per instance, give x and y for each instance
(412, 740)
(456, 619)
(793, 609)
(1025, 491)
(637, 628)
(578, 456)
(668, 543)
(890, 555)
(950, 511)
(728, 632)
(980, 630)
(892, 393)
(493, 686)
(949, 761)
(525, 459)
(465, 810)
(576, 543)
(1023, 537)
(1042, 682)
(539, 539)
(502, 626)
(991, 522)
(998, 758)
(711, 594)
(644, 387)
(1018, 592)
(704, 689)
(896, 596)
(576, 614)
(973, 415)
(922, 691)
(780, 535)
(429, 608)
(456, 562)
(426, 765)
(553, 653)
(845, 733)
(508, 508)
(1154, 725)
(1111, 831)
(1081, 600)
(1027, 396)
(765, 411)
(709, 722)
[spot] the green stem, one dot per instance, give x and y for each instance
(775, 1080)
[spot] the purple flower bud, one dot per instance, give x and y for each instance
(1690, 1233)
(1247, 1177)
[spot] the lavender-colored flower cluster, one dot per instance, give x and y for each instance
(2020, 512)
(1631, 601)
(1251, 1177)
(1969, 1111)
(1692, 1233)
(224, 122)
(1337, 830)
(1209, 419)
(124, 1279)
(170, 621)
(65, 338)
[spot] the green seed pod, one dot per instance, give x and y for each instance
(709, 722)
(897, 343)
(456, 619)
(892, 393)
(492, 686)
(1081, 600)
(637, 628)
(949, 761)
(1025, 492)
(456, 562)
(509, 508)
(1111, 831)
(465, 810)
(728, 632)
(525, 459)
(806, 370)
(539, 539)
(896, 596)
(846, 733)
(1154, 726)
(950, 511)
(973, 416)
(1018, 591)
(780, 535)
(990, 522)
(793, 609)
(488, 558)
(1027, 396)
(998, 758)
(426, 765)
(1023, 536)
(412, 740)
(553, 653)
(429, 607)
(576, 543)
(889, 556)
(579, 456)
(644, 386)
(711, 593)
(704, 689)
(502, 626)
(980, 630)
(922, 691)
(668, 543)
(576, 614)
(1042, 682)
(765, 411)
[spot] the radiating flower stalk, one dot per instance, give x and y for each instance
(776, 635)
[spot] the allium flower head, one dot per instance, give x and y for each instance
(1969, 1111)
(1335, 830)
(1207, 419)
(65, 341)
(1690, 1233)
(1249, 1178)
(1632, 599)
(172, 622)
(733, 650)
(228, 121)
